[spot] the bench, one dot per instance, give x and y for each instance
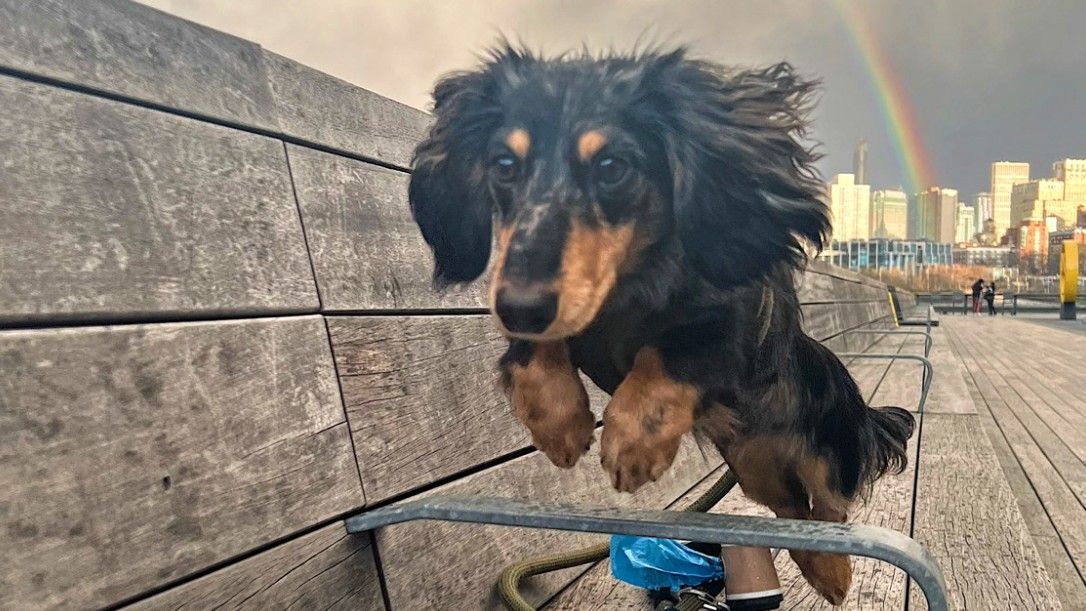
(218, 337)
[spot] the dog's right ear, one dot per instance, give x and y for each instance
(448, 194)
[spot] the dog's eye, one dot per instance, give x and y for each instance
(610, 171)
(504, 168)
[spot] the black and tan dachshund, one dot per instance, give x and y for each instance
(649, 213)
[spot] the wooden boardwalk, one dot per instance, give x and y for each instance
(996, 484)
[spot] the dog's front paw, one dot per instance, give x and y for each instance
(645, 423)
(564, 441)
(632, 456)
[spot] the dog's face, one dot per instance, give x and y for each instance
(593, 166)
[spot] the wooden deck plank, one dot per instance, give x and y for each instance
(1069, 585)
(132, 50)
(967, 517)
(133, 456)
(320, 108)
(1065, 510)
(367, 252)
(325, 569)
(114, 212)
(424, 562)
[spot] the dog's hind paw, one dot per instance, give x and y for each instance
(633, 461)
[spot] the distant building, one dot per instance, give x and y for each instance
(889, 214)
(982, 208)
(1055, 246)
(986, 256)
(1081, 217)
(1072, 172)
(936, 215)
(1037, 199)
(1005, 174)
(859, 163)
(850, 204)
(966, 227)
(906, 255)
(1032, 245)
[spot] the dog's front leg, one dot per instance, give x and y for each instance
(549, 398)
(644, 424)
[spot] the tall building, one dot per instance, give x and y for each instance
(1037, 199)
(850, 204)
(966, 226)
(1072, 172)
(936, 214)
(889, 214)
(982, 207)
(1005, 174)
(859, 163)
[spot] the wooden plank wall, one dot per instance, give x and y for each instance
(218, 337)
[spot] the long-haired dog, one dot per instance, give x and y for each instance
(649, 212)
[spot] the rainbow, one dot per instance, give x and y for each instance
(893, 100)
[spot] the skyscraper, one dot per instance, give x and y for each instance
(1072, 172)
(966, 226)
(850, 205)
(1037, 199)
(982, 209)
(1005, 174)
(936, 214)
(859, 162)
(889, 214)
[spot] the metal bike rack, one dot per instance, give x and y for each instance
(855, 539)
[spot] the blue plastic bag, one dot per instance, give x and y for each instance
(653, 564)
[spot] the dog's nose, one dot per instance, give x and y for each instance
(526, 310)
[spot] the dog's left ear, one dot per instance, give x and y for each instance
(448, 197)
(747, 197)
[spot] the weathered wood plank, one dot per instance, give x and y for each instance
(111, 211)
(424, 562)
(367, 251)
(326, 569)
(132, 50)
(320, 108)
(132, 456)
(825, 320)
(967, 517)
(422, 397)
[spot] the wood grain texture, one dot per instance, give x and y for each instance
(424, 563)
(114, 212)
(367, 251)
(422, 397)
(132, 50)
(132, 456)
(325, 569)
(320, 108)
(967, 517)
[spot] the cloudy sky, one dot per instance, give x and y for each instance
(988, 79)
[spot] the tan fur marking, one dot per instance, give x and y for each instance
(550, 400)
(591, 263)
(519, 142)
(590, 143)
(645, 422)
(505, 234)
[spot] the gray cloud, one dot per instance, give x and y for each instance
(989, 79)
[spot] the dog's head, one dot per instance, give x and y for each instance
(592, 166)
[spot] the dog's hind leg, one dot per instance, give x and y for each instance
(778, 472)
(549, 398)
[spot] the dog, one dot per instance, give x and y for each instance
(648, 213)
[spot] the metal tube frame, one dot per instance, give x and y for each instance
(927, 335)
(856, 539)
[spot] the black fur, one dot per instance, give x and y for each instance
(726, 202)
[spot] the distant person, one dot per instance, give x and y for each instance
(989, 296)
(978, 288)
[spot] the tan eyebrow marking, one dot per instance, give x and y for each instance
(519, 142)
(590, 143)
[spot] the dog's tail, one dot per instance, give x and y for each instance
(883, 438)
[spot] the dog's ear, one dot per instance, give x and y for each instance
(746, 194)
(448, 195)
